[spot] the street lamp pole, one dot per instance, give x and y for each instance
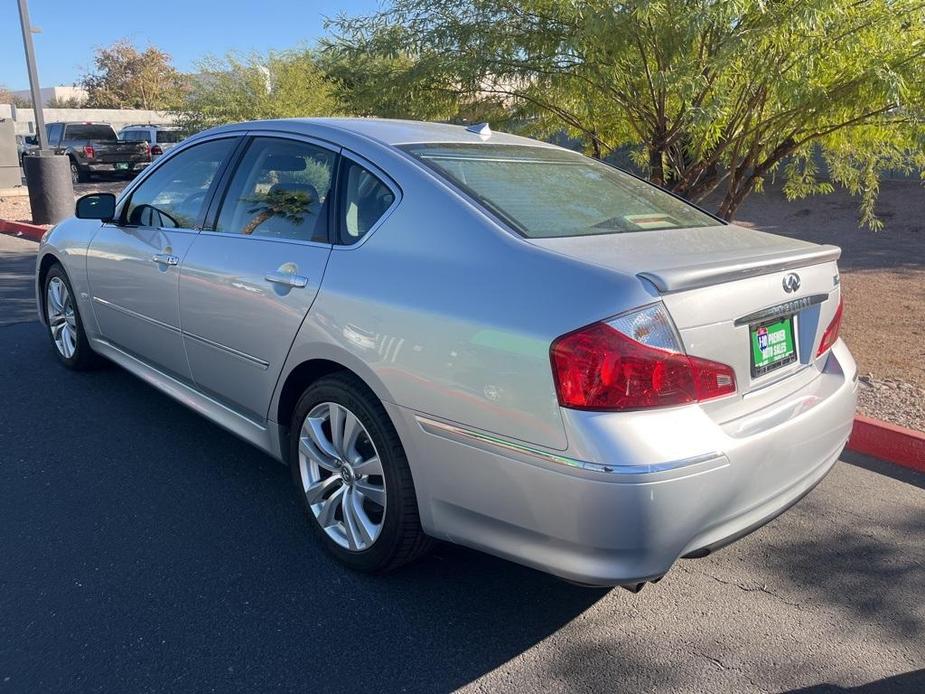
(33, 74)
(48, 175)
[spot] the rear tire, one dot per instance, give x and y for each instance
(78, 175)
(331, 475)
(64, 324)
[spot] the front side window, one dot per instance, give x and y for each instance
(279, 190)
(174, 194)
(363, 200)
(545, 192)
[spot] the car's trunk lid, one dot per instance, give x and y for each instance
(717, 282)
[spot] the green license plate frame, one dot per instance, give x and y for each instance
(772, 345)
(121, 166)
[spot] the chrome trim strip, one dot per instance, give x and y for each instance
(134, 314)
(253, 361)
(785, 309)
(491, 441)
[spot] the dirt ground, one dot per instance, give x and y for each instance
(883, 272)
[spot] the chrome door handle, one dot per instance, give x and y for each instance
(165, 259)
(290, 279)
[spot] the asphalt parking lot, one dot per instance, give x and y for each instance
(146, 550)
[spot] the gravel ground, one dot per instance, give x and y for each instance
(893, 400)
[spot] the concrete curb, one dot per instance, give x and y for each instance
(888, 442)
(22, 230)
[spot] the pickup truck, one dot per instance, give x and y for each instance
(94, 148)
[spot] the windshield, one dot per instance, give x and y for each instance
(548, 192)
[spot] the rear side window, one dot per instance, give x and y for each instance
(174, 194)
(136, 136)
(279, 190)
(89, 132)
(363, 200)
(168, 136)
(545, 192)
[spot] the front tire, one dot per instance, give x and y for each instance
(352, 476)
(65, 327)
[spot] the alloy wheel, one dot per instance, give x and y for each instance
(342, 476)
(61, 319)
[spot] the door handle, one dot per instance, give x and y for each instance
(165, 259)
(290, 279)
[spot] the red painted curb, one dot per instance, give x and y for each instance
(888, 442)
(22, 230)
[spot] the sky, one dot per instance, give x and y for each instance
(187, 30)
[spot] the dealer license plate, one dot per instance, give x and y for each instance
(772, 345)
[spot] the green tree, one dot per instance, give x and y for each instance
(66, 102)
(124, 77)
(281, 84)
(718, 95)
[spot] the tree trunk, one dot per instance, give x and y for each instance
(656, 165)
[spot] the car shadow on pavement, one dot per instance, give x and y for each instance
(897, 472)
(147, 549)
(906, 683)
(870, 570)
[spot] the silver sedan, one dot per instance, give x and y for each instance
(457, 334)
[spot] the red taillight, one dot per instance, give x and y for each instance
(831, 333)
(147, 150)
(89, 152)
(156, 150)
(600, 368)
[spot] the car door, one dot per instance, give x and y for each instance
(133, 264)
(248, 281)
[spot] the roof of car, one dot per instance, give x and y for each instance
(394, 132)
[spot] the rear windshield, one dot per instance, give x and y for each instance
(546, 192)
(89, 132)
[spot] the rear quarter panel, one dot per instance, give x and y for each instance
(443, 312)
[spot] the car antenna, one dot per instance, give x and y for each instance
(483, 130)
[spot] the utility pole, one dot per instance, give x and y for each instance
(48, 175)
(40, 134)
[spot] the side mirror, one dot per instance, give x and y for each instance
(100, 206)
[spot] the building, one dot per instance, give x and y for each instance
(61, 94)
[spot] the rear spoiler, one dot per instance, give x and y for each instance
(694, 276)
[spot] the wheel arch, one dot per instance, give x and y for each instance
(45, 264)
(306, 371)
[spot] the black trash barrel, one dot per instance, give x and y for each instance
(51, 192)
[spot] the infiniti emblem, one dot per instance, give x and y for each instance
(791, 282)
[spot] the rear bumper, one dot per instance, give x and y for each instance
(634, 491)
